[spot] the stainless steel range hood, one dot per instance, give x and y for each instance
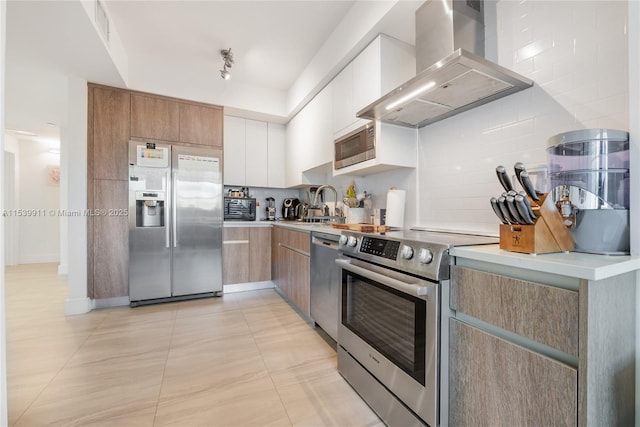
(452, 74)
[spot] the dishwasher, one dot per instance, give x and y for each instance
(325, 282)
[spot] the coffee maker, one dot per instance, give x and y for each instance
(270, 209)
(290, 208)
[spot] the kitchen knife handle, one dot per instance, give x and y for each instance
(528, 186)
(522, 209)
(501, 172)
(502, 204)
(511, 205)
(498, 212)
(527, 204)
(519, 168)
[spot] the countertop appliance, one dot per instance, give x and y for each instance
(589, 176)
(391, 346)
(355, 147)
(452, 74)
(239, 208)
(175, 222)
(290, 208)
(270, 210)
(325, 279)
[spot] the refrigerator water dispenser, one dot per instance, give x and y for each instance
(149, 209)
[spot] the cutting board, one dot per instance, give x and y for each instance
(363, 228)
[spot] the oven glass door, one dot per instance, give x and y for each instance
(390, 321)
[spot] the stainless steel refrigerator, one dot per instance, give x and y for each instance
(175, 222)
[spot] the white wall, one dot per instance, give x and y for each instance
(3, 340)
(38, 236)
(377, 185)
(576, 53)
(74, 141)
(11, 188)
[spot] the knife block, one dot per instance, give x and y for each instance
(548, 233)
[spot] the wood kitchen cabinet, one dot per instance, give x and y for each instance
(235, 255)
(201, 124)
(529, 348)
(167, 119)
(109, 133)
(259, 254)
(115, 116)
(246, 255)
(290, 265)
(495, 382)
(109, 249)
(155, 118)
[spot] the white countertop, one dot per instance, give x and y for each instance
(292, 225)
(247, 223)
(573, 264)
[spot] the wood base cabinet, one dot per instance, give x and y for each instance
(290, 265)
(246, 255)
(528, 348)
(494, 382)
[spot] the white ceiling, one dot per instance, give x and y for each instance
(171, 48)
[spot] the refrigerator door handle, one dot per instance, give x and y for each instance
(174, 203)
(167, 236)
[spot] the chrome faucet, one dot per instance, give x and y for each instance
(335, 197)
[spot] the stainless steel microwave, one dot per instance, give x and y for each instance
(355, 147)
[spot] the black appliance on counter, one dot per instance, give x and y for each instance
(239, 208)
(290, 208)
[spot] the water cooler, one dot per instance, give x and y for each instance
(589, 182)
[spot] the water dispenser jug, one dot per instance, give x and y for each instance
(589, 182)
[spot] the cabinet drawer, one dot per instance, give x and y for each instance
(542, 313)
(493, 382)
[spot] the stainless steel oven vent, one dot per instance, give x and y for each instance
(452, 74)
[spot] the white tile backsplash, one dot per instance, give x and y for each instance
(576, 53)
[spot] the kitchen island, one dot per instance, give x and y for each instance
(541, 339)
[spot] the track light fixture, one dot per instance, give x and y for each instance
(227, 58)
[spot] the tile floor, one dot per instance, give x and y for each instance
(246, 359)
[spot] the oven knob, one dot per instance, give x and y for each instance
(343, 239)
(425, 256)
(352, 241)
(406, 252)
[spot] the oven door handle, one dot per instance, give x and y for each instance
(414, 289)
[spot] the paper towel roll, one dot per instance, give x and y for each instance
(395, 208)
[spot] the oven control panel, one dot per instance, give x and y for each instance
(380, 247)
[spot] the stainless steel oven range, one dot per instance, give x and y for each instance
(389, 335)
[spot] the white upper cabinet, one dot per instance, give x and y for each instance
(253, 153)
(256, 164)
(382, 66)
(234, 151)
(275, 156)
(309, 139)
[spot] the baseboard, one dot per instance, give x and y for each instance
(252, 286)
(111, 302)
(77, 306)
(38, 259)
(63, 270)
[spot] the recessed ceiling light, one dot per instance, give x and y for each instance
(51, 124)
